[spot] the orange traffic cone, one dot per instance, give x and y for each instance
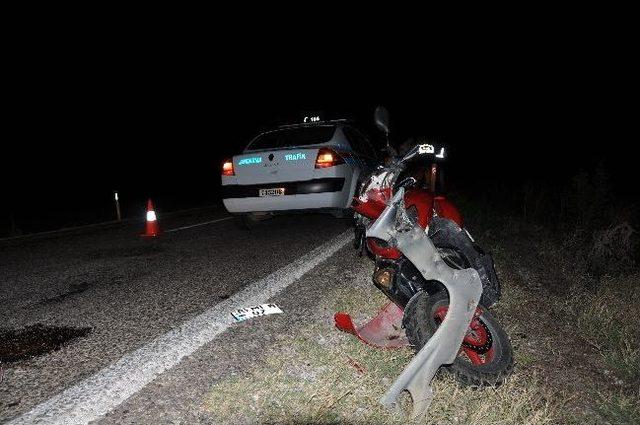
(152, 229)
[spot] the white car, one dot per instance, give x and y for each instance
(310, 166)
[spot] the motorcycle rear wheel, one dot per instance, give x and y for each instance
(485, 357)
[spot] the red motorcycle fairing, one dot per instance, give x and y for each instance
(377, 248)
(426, 204)
(375, 204)
(445, 209)
(423, 201)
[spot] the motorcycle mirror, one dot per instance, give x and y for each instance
(381, 118)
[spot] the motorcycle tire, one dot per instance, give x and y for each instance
(459, 251)
(481, 361)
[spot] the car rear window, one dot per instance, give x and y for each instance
(292, 137)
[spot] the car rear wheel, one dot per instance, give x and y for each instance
(247, 221)
(343, 213)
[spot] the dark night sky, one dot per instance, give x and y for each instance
(159, 126)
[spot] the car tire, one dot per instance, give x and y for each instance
(343, 213)
(246, 221)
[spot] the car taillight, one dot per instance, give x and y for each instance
(328, 158)
(227, 168)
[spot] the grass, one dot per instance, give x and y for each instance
(324, 376)
(607, 318)
(618, 408)
(576, 348)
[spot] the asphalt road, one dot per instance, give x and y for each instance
(130, 292)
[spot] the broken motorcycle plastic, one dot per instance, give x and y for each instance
(464, 287)
(383, 331)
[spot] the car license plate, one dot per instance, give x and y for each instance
(278, 191)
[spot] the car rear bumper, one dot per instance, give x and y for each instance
(286, 203)
(330, 184)
(304, 195)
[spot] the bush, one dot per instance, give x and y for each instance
(586, 216)
(612, 250)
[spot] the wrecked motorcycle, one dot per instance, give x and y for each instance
(418, 172)
(439, 280)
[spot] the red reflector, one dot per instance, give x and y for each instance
(328, 158)
(227, 168)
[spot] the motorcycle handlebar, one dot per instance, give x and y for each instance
(408, 182)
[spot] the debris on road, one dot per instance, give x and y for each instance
(243, 314)
(35, 340)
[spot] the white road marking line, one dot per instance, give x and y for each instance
(99, 394)
(197, 224)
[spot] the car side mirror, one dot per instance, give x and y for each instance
(381, 118)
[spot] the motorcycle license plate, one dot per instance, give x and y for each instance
(243, 314)
(278, 191)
